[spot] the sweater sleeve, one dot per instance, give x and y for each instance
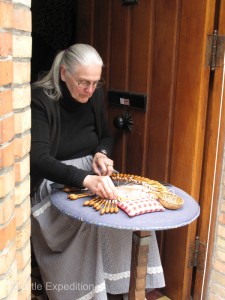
(42, 160)
(105, 138)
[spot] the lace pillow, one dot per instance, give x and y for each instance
(140, 206)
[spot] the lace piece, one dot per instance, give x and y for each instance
(98, 289)
(117, 276)
(40, 211)
(154, 270)
(101, 287)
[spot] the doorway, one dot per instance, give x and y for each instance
(156, 48)
(53, 30)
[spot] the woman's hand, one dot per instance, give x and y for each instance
(100, 185)
(102, 165)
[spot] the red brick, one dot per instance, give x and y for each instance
(22, 212)
(7, 234)
(6, 258)
(21, 97)
(221, 231)
(223, 203)
(218, 290)
(213, 297)
(222, 218)
(22, 146)
(6, 72)
(5, 44)
(23, 234)
(22, 19)
(21, 72)
(24, 292)
(5, 102)
(219, 266)
(6, 155)
(23, 277)
(22, 121)
(6, 210)
(6, 10)
(7, 129)
(22, 168)
(7, 182)
(22, 46)
(22, 190)
(220, 243)
(220, 255)
(23, 256)
(218, 278)
(8, 282)
(14, 294)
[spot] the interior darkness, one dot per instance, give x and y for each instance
(53, 29)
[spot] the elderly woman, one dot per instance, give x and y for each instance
(71, 145)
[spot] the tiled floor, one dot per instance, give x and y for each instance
(156, 295)
(153, 295)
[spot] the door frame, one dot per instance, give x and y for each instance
(212, 165)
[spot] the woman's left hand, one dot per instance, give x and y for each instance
(102, 165)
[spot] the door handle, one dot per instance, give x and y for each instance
(123, 122)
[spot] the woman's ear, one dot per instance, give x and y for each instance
(63, 73)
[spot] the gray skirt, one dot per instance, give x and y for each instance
(82, 261)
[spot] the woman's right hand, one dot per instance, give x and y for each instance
(101, 186)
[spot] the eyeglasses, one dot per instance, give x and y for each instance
(83, 84)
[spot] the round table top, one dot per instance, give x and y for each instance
(167, 219)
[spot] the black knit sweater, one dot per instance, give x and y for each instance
(62, 130)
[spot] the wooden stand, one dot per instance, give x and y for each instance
(139, 262)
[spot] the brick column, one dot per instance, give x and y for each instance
(15, 55)
(216, 289)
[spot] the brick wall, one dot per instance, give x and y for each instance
(217, 276)
(15, 54)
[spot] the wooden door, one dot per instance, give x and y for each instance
(191, 94)
(158, 48)
(212, 164)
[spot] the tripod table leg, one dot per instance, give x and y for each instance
(139, 261)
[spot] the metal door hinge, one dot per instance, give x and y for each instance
(197, 254)
(215, 50)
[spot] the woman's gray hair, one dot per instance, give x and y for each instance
(78, 54)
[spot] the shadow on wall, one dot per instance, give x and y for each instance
(53, 29)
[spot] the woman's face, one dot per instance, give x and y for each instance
(82, 82)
